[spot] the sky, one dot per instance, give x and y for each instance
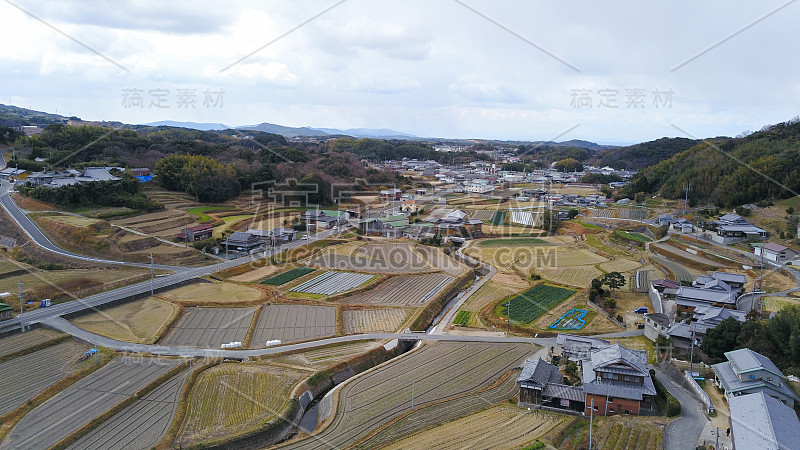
(610, 72)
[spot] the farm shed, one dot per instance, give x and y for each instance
(576, 348)
(196, 233)
(5, 311)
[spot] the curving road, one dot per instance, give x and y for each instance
(39, 238)
(683, 432)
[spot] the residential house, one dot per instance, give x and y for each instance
(703, 319)
(749, 372)
(540, 384)
(390, 194)
(274, 236)
(479, 187)
(656, 324)
(616, 381)
(715, 293)
(758, 421)
(196, 233)
(576, 348)
(474, 227)
(10, 173)
(370, 226)
(418, 231)
(775, 252)
(728, 234)
(241, 241)
(393, 226)
(411, 206)
(323, 219)
(666, 287)
(731, 219)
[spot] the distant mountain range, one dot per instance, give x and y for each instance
(202, 126)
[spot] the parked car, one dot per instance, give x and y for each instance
(642, 310)
(304, 237)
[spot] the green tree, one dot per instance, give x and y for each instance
(568, 165)
(571, 369)
(639, 198)
(723, 338)
(614, 280)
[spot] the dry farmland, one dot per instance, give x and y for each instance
(620, 265)
(231, 398)
(291, 323)
(436, 372)
(528, 258)
(374, 258)
(140, 321)
(165, 224)
(490, 292)
(14, 343)
(83, 401)
(323, 357)
(213, 293)
(775, 303)
(210, 327)
(373, 320)
(628, 433)
(26, 376)
(580, 276)
(140, 425)
(442, 262)
(405, 290)
(502, 426)
(256, 274)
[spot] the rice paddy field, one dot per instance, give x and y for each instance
(333, 282)
(526, 259)
(26, 376)
(323, 357)
(291, 323)
(449, 381)
(373, 320)
(139, 321)
(210, 327)
(578, 276)
(88, 398)
(620, 265)
(775, 303)
(218, 293)
(404, 290)
(20, 342)
(232, 398)
(498, 427)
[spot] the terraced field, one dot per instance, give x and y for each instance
(139, 321)
(620, 265)
(141, 425)
(358, 262)
(481, 214)
(291, 323)
(580, 276)
(373, 320)
(210, 327)
(405, 290)
(18, 342)
(437, 258)
(603, 213)
(632, 213)
(332, 282)
(499, 427)
(81, 402)
(231, 398)
(28, 375)
(436, 373)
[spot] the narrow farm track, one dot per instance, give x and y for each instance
(28, 375)
(141, 425)
(434, 373)
(81, 402)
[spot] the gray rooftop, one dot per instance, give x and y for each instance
(538, 373)
(759, 421)
(746, 360)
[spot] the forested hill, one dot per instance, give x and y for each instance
(639, 156)
(730, 171)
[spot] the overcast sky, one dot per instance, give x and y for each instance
(529, 70)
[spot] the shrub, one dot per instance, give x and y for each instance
(673, 406)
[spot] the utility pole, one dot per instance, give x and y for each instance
(21, 324)
(591, 422)
(761, 277)
(691, 357)
(227, 259)
(152, 274)
(686, 189)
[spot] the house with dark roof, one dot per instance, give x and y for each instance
(731, 219)
(714, 292)
(275, 236)
(729, 234)
(616, 381)
(748, 372)
(656, 324)
(576, 348)
(759, 421)
(666, 287)
(241, 241)
(196, 233)
(540, 384)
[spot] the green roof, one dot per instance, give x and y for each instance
(332, 213)
(4, 307)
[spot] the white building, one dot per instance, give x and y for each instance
(776, 252)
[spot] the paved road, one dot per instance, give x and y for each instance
(39, 238)
(683, 432)
(144, 287)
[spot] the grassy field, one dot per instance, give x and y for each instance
(531, 304)
(140, 321)
(75, 221)
(499, 427)
(201, 211)
(229, 399)
(773, 303)
(620, 265)
(228, 221)
(216, 293)
(580, 276)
